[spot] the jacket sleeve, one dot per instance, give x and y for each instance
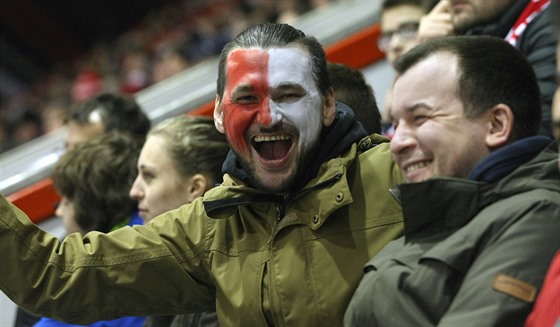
(510, 261)
(538, 44)
(132, 271)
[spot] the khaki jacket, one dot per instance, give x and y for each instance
(255, 258)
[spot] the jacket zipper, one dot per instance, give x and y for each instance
(281, 208)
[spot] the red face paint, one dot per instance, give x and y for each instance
(247, 78)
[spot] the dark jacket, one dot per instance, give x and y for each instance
(474, 253)
(538, 44)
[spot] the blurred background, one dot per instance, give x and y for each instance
(55, 53)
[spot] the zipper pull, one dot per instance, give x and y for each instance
(281, 208)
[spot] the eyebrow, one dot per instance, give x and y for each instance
(289, 86)
(242, 88)
(421, 105)
(281, 87)
(145, 167)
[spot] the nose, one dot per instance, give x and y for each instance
(136, 192)
(268, 114)
(395, 44)
(402, 140)
(59, 211)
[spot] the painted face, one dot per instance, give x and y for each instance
(433, 137)
(399, 22)
(159, 187)
(470, 13)
(272, 113)
(66, 211)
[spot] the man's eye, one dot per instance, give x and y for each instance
(289, 97)
(246, 99)
(147, 176)
(419, 118)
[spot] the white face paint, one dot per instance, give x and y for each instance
(292, 66)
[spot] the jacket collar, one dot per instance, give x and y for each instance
(426, 205)
(224, 201)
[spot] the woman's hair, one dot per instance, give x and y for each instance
(194, 145)
(96, 177)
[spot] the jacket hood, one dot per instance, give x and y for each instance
(335, 140)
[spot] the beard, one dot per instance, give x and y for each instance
(294, 180)
(465, 21)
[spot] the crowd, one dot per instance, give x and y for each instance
(454, 221)
(167, 41)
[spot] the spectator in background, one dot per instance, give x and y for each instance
(105, 113)
(206, 40)
(54, 114)
(169, 60)
(181, 159)
(290, 10)
(351, 88)
(25, 126)
(135, 72)
(481, 202)
(523, 23)
(399, 24)
(88, 83)
(93, 180)
(94, 117)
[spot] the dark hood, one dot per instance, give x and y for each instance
(335, 141)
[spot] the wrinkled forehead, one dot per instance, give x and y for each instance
(279, 65)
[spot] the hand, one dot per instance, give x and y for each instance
(436, 23)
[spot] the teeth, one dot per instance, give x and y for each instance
(266, 138)
(416, 166)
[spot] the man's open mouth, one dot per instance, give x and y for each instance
(272, 147)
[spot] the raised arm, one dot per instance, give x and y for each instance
(132, 271)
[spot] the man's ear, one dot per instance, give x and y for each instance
(329, 110)
(196, 187)
(500, 123)
(218, 115)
